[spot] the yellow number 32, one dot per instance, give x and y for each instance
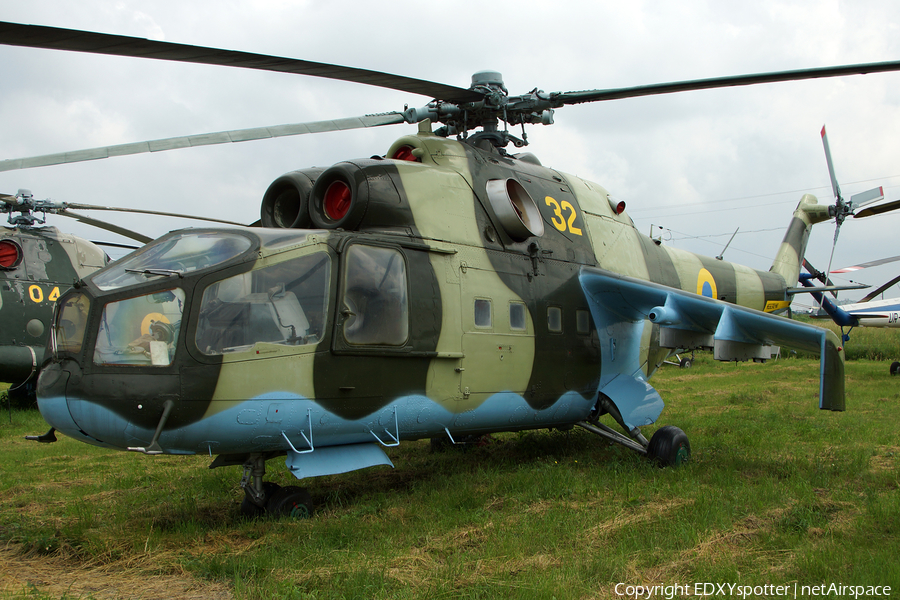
(564, 223)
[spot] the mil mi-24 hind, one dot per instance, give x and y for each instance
(445, 289)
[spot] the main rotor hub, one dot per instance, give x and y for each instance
(490, 79)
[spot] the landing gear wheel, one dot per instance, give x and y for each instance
(669, 447)
(290, 501)
(686, 363)
(251, 509)
(895, 368)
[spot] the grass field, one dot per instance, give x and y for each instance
(777, 493)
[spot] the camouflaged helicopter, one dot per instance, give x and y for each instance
(39, 263)
(445, 289)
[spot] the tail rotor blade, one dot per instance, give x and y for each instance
(867, 197)
(879, 209)
(837, 231)
(834, 183)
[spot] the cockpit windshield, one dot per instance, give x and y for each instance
(173, 256)
(140, 331)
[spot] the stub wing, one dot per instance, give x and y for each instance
(621, 305)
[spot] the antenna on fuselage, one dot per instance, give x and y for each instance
(719, 257)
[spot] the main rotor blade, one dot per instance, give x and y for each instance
(205, 139)
(55, 38)
(722, 82)
(139, 237)
(147, 212)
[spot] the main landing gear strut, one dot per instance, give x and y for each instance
(669, 446)
(265, 497)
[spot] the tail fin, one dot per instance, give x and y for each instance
(790, 254)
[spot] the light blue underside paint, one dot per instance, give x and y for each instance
(278, 421)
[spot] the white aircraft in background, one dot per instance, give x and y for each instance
(866, 312)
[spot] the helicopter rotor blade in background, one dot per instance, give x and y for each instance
(70, 205)
(206, 139)
(866, 265)
(880, 290)
(138, 237)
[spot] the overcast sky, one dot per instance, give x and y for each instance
(699, 164)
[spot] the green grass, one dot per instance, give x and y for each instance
(777, 492)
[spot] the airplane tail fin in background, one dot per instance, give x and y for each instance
(790, 255)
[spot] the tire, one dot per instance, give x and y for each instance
(252, 510)
(686, 363)
(669, 447)
(895, 368)
(290, 501)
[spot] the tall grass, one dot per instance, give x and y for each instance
(777, 492)
(865, 343)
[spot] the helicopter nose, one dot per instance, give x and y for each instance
(56, 408)
(51, 399)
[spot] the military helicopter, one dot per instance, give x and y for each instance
(39, 263)
(447, 288)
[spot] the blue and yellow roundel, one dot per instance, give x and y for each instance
(706, 285)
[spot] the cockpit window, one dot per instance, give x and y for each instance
(285, 303)
(71, 320)
(173, 256)
(141, 330)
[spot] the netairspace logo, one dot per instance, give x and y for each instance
(734, 590)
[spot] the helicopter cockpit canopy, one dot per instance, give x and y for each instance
(181, 253)
(247, 289)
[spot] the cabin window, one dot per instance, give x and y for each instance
(483, 312)
(141, 330)
(517, 320)
(375, 303)
(284, 303)
(554, 319)
(582, 321)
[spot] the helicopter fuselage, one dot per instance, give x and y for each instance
(446, 290)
